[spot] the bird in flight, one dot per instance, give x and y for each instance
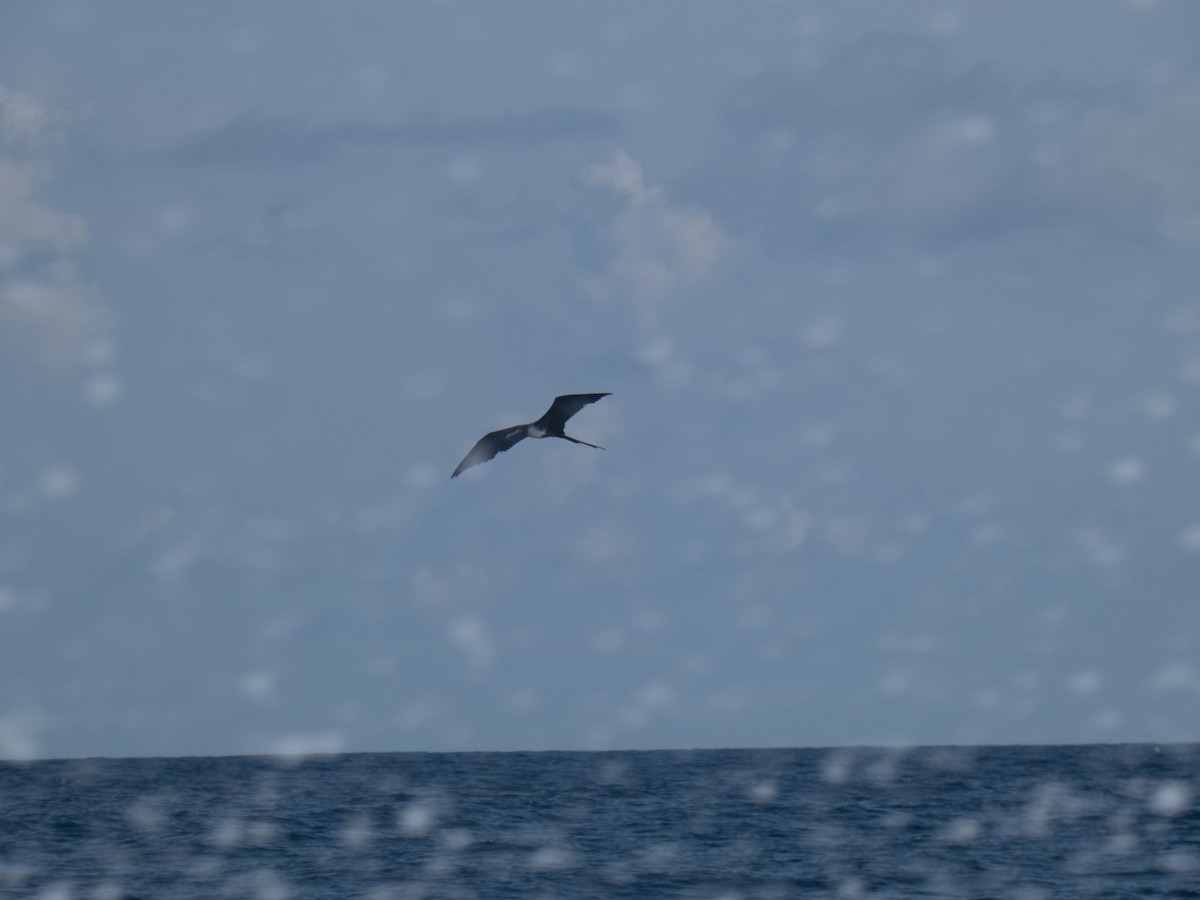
(549, 425)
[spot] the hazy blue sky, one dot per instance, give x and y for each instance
(899, 304)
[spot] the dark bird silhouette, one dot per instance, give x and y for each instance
(549, 425)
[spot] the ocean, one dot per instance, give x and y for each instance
(1095, 821)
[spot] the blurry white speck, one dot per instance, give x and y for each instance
(173, 561)
(226, 834)
(565, 64)
(1068, 442)
(470, 636)
(1158, 406)
(759, 519)
(102, 390)
(372, 78)
(1177, 676)
(150, 523)
(22, 116)
(258, 685)
(764, 791)
(1121, 844)
(463, 171)
(455, 839)
(603, 545)
(146, 813)
(822, 332)
(99, 352)
(1085, 682)
(19, 735)
(961, 831)
(657, 351)
(796, 525)
(267, 884)
(847, 534)
(416, 819)
(174, 219)
(523, 700)
(1127, 471)
(852, 888)
(420, 476)
(423, 386)
(1107, 720)
(946, 22)
(655, 694)
(608, 640)
(59, 482)
(1180, 861)
(976, 129)
(986, 533)
(1184, 320)
(357, 831)
(1171, 798)
(648, 699)
(380, 666)
(1189, 539)
(895, 683)
(298, 746)
(1076, 407)
(835, 768)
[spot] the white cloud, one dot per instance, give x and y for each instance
(937, 173)
(658, 247)
(1136, 160)
(889, 135)
(21, 118)
(44, 304)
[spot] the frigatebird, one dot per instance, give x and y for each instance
(549, 425)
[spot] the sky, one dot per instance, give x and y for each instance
(897, 304)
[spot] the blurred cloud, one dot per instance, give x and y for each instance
(653, 250)
(888, 135)
(22, 118)
(45, 307)
(658, 246)
(1128, 159)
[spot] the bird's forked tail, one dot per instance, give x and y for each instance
(578, 441)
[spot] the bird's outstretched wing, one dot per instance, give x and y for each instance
(489, 445)
(562, 409)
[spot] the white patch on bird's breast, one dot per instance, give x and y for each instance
(534, 431)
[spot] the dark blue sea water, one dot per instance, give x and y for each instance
(1115, 821)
